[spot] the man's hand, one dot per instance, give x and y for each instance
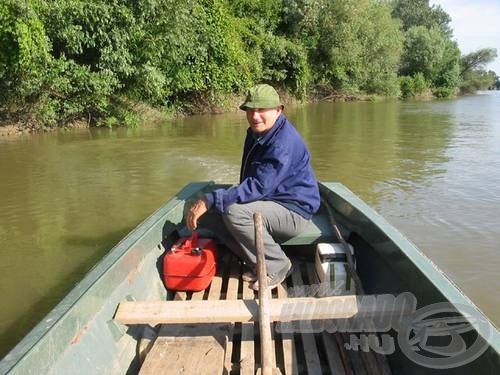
(197, 209)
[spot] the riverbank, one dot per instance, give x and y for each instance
(146, 116)
(150, 116)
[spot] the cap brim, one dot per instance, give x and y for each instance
(246, 106)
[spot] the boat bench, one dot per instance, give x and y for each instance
(318, 230)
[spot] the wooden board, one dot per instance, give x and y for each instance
(233, 270)
(334, 354)
(225, 311)
(188, 349)
(313, 362)
(247, 351)
(290, 365)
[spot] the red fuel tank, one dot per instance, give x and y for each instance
(190, 264)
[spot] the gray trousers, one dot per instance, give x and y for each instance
(236, 230)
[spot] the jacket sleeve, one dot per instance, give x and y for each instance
(270, 171)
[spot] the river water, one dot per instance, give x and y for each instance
(432, 169)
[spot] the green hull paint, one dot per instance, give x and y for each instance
(79, 336)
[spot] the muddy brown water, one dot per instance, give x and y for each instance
(432, 169)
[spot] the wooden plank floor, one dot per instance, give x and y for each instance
(294, 353)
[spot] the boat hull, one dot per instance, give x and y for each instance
(80, 336)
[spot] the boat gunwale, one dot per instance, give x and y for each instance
(437, 277)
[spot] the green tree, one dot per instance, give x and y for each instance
(473, 75)
(355, 45)
(428, 48)
(478, 79)
(430, 52)
(419, 13)
(279, 60)
(95, 54)
(49, 78)
(265, 14)
(187, 50)
(63, 60)
(446, 79)
(285, 63)
(96, 34)
(24, 54)
(477, 59)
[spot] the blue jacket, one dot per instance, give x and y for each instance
(275, 167)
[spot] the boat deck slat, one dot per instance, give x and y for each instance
(287, 341)
(295, 353)
(233, 270)
(247, 353)
(308, 340)
(333, 356)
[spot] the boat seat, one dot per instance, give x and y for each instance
(318, 230)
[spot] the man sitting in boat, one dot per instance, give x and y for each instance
(276, 179)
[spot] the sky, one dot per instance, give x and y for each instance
(474, 24)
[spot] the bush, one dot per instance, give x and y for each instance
(406, 86)
(419, 83)
(44, 87)
(285, 63)
(477, 79)
(444, 92)
(24, 56)
(411, 86)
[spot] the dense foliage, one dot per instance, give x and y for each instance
(67, 60)
(475, 77)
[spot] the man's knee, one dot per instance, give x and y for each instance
(237, 214)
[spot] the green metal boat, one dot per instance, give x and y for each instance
(444, 331)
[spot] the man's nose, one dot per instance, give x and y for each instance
(255, 114)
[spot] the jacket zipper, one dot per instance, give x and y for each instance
(246, 161)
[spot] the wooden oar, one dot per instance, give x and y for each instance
(266, 346)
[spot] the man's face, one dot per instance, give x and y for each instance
(262, 119)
